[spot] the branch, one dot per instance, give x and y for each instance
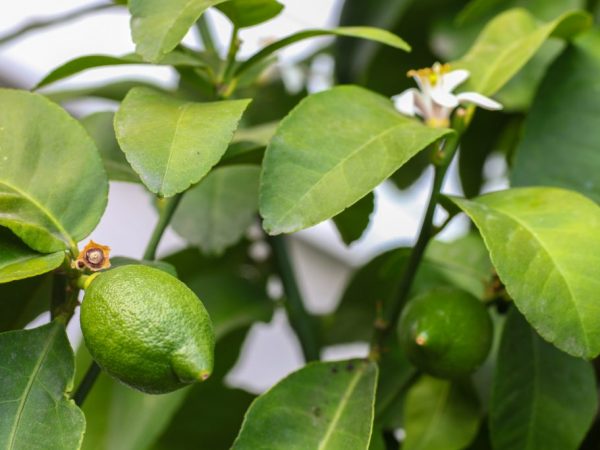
(302, 322)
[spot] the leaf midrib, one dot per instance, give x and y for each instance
(45, 211)
(28, 388)
(182, 111)
(341, 162)
(556, 266)
(341, 407)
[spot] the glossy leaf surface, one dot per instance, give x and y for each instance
(17, 261)
(440, 415)
(311, 177)
(508, 42)
(217, 212)
(47, 211)
(555, 149)
(536, 388)
(35, 376)
(158, 26)
(325, 406)
(172, 143)
(545, 246)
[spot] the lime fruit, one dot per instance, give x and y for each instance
(446, 332)
(147, 329)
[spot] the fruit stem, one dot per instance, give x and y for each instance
(86, 384)
(300, 320)
(164, 218)
(443, 154)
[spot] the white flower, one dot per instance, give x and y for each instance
(434, 100)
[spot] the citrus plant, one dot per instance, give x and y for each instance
(486, 341)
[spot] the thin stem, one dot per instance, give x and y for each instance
(165, 216)
(87, 383)
(444, 153)
(228, 65)
(206, 34)
(38, 24)
(302, 323)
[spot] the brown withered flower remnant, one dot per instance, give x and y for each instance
(94, 256)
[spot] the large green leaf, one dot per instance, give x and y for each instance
(157, 26)
(440, 415)
(325, 405)
(537, 387)
(217, 212)
(36, 375)
(545, 246)
(24, 300)
(53, 189)
(17, 261)
(311, 176)
(558, 147)
(172, 143)
(77, 65)
(508, 42)
(100, 127)
(369, 33)
(247, 13)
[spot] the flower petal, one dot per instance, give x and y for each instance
(479, 100)
(443, 97)
(405, 102)
(453, 79)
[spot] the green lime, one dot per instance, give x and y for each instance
(446, 332)
(147, 328)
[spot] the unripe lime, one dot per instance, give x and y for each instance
(446, 332)
(147, 328)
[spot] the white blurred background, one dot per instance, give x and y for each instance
(323, 263)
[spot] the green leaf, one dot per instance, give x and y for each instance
(325, 405)
(100, 127)
(77, 65)
(247, 13)
(53, 189)
(35, 377)
(24, 300)
(312, 176)
(564, 108)
(508, 42)
(17, 261)
(369, 33)
(440, 415)
(216, 213)
(536, 387)
(172, 143)
(354, 220)
(158, 26)
(545, 247)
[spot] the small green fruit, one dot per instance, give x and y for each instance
(446, 333)
(147, 329)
